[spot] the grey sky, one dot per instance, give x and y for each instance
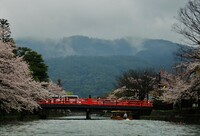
(109, 19)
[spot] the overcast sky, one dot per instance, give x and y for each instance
(108, 19)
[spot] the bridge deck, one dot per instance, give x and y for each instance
(95, 103)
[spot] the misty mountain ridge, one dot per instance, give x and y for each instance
(90, 65)
(85, 46)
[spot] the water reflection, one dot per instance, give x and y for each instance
(93, 117)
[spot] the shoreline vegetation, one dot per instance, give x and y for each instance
(30, 116)
(185, 115)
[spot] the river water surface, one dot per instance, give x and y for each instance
(98, 126)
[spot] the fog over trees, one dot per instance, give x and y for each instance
(184, 82)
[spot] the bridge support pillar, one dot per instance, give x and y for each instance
(88, 114)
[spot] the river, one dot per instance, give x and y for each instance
(98, 126)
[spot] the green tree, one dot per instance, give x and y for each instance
(5, 33)
(36, 63)
(59, 82)
(137, 83)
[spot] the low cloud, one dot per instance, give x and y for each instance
(109, 19)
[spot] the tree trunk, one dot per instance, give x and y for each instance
(198, 101)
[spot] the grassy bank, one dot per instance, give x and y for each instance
(189, 115)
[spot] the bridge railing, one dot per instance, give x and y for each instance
(98, 102)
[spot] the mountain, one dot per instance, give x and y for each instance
(83, 46)
(94, 75)
(90, 65)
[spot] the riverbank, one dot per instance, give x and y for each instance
(29, 116)
(14, 117)
(187, 115)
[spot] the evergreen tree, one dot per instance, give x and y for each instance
(36, 63)
(5, 33)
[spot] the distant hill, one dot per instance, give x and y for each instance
(85, 46)
(89, 65)
(93, 75)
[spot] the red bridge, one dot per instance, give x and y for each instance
(90, 105)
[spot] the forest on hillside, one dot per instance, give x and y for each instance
(90, 66)
(96, 75)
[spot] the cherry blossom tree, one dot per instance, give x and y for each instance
(186, 83)
(18, 91)
(172, 87)
(183, 85)
(135, 84)
(37, 66)
(53, 88)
